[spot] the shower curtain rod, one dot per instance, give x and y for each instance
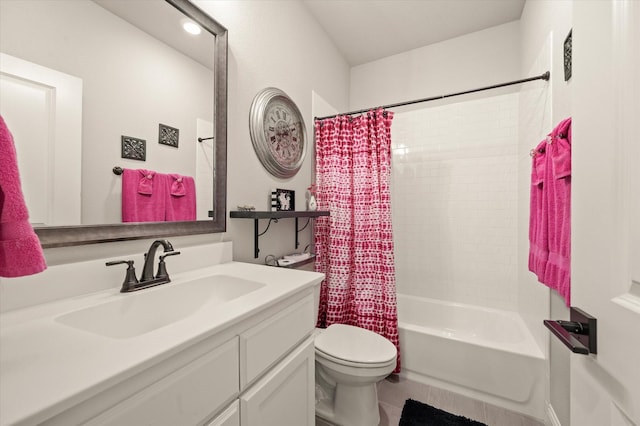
(544, 76)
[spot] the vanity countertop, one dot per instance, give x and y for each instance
(47, 367)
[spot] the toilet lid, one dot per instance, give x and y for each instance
(355, 344)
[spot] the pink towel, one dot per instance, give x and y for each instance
(143, 196)
(20, 250)
(550, 211)
(181, 198)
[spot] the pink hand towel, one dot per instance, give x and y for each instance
(20, 250)
(143, 196)
(181, 198)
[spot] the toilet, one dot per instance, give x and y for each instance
(350, 361)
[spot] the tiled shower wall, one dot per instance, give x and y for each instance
(455, 201)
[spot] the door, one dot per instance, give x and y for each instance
(43, 110)
(605, 388)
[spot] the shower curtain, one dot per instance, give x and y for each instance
(354, 245)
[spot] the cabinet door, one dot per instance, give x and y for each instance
(285, 395)
(185, 397)
(229, 417)
(263, 345)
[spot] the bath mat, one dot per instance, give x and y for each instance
(415, 413)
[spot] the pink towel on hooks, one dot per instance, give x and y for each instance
(550, 211)
(181, 198)
(20, 250)
(143, 196)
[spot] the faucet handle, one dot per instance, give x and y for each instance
(169, 253)
(162, 268)
(130, 279)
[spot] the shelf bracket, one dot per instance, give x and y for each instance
(300, 230)
(257, 235)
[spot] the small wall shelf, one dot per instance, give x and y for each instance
(273, 216)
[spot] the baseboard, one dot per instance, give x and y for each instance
(552, 419)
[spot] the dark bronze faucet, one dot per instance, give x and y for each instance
(131, 282)
(149, 258)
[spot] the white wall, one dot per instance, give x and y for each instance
(539, 18)
(455, 196)
(279, 44)
(479, 59)
(544, 26)
(534, 125)
(458, 168)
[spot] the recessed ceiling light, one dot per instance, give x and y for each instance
(192, 28)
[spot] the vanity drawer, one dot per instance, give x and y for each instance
(265, 344)
(187, 396)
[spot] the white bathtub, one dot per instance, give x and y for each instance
(483, 353)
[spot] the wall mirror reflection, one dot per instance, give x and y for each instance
(84, 83)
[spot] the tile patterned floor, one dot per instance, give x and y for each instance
(393, 392)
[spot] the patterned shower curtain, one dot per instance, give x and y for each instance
(354, 245)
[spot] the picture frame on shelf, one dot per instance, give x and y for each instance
(283, 200)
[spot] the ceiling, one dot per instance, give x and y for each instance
(164, 22)
(366, 30)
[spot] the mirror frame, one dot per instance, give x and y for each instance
(62, 236)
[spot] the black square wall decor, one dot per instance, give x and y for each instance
(567, 56)
(168, 135)
(133, 148)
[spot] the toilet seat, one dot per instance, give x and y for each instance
(323, 357)
(354, 346)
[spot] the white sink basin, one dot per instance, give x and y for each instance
(149, 309)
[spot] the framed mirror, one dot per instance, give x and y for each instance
(124, 101)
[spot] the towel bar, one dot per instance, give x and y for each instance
(579, 334)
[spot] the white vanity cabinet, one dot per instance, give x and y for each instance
(259, 371)
(285, 395)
